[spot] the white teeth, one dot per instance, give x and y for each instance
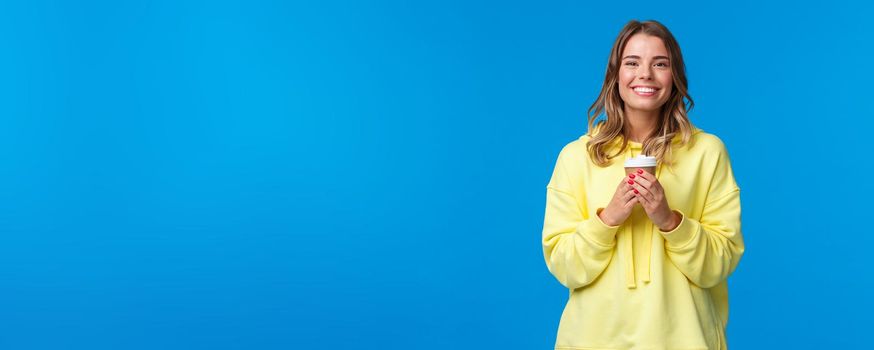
(643, 89)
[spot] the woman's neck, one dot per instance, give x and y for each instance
(640, 124)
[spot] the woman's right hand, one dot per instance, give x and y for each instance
(620, 206)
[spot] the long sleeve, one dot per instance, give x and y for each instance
(577, 248)
(708, 250)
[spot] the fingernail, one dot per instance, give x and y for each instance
(640, 171)
(635, 192)
(630, 182)
(631, 175)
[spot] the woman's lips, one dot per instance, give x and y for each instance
(645, 94)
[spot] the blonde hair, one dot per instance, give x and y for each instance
(673, 119)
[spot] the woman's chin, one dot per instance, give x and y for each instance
(645, 107)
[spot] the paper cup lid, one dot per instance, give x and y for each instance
(641, 161)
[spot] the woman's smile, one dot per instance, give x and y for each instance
(645, 91)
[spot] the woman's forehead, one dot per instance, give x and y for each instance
(644, 46)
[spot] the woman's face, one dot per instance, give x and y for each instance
(645, 79)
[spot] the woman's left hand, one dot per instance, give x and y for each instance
(651, 195)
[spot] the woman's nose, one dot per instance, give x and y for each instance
(645, 73)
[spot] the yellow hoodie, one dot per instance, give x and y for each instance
(633, 286)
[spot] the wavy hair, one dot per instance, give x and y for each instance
(673, 119)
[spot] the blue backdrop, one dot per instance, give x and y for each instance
(333, 174)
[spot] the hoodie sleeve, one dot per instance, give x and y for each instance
(708, 249)
(577, 248)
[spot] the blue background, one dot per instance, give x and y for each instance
(272, 175)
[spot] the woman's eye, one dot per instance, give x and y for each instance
(662, 64)
(630, 63)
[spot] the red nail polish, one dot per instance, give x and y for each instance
(631, 175)
(640, 171)
(635, 192)
(630, 182)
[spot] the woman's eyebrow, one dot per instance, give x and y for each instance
(654, 58)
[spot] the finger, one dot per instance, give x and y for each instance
(622, 187)
(647, 175)
(632, 200)
(627, 183)
(643, 201)
(624, 197)
(647, 194)
(641, 180)
(653, 185)
(628, 196)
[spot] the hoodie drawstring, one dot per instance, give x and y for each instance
(629, 245)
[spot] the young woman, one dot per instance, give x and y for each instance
(645, 256)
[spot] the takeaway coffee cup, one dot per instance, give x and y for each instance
(640, 162)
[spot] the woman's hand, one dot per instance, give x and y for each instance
(620, 205)
(651, 195)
